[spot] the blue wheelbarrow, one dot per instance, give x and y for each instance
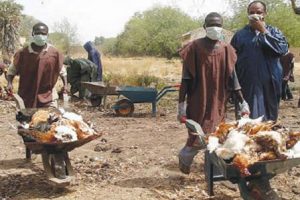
(125, 106)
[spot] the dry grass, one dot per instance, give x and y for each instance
(141, 71)
(296, 84)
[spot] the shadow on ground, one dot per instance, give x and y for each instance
(18, 182)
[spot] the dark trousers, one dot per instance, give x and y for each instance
(286, 92)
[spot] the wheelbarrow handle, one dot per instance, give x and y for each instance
(19, 101)
(196, 129)
(176, 86)
(165, 90)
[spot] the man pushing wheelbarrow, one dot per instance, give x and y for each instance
(207, 79)
(207, 85)
(46, 131)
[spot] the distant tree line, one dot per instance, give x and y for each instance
(156, 32)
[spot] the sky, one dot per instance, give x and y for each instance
(108, 17)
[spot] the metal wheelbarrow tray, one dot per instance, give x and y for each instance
(55, 157)
(217, 170)
(99, 88)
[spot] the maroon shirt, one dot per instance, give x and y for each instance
(210, 70)
(38, 75)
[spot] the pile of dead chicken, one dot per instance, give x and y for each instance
(49, 126)
(248, 141)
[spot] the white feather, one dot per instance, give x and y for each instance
(65, 134)
(72, 116)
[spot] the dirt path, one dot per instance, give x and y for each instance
(136, 158)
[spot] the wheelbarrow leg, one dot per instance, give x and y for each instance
(47, 167)
(258, 189)
(28, 153)
(54, 165)
(153, 108)
(58, 168)
(69, 168)
(104, 101)
(209, 174)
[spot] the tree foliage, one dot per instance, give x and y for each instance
(64, 35)
(60, 41)
(27, 23)
(155, 32)
(10, 18)
(107, 45)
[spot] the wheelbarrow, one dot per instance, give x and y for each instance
(55, 156)
(253, 187)
(125, 106)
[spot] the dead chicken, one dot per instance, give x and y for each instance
(48, 126)
(223, 130)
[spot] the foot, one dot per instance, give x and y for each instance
(186, 156)
(182, 167)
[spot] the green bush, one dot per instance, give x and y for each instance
(155, 32)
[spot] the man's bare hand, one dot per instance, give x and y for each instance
(258, 25)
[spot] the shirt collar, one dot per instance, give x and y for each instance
(44, 50)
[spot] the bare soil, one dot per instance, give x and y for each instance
(136, 158)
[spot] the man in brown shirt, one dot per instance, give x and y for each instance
(38, 65)
(208, 77)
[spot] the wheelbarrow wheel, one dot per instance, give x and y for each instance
(55, 165)
(257, 189)
(95, 100)
(124, 108)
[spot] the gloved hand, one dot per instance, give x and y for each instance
(181, 115)
(244, 109)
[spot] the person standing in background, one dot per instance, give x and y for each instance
(95, 57)
(259, 47)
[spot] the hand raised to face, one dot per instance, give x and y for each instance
(256, 15)
(258, 25)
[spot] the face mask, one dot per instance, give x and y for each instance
(40, 40)
(255, 17)
(214, 33)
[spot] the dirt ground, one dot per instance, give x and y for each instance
(136, 158)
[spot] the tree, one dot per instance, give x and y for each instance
(27, 23)
(99, 40)
(107, 45)
(69, 33)
(10, 18)
(155, 32)
(60, 41)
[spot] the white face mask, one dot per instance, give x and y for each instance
(214, 33)
(255, 17)
(40, 40)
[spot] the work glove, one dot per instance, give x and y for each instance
(244, 109)
(181, 115)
